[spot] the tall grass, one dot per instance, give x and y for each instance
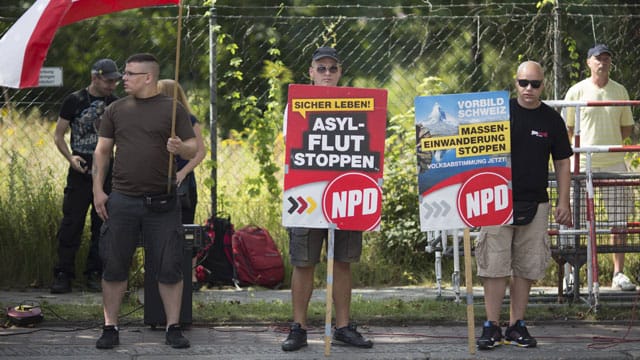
(30, 201)
(28, 224)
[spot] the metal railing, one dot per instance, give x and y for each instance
(615, 182)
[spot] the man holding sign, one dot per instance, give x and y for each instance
(305, 245)
(520, 252)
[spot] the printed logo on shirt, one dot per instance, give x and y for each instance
(540, 134)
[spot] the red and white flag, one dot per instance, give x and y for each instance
(24, 46)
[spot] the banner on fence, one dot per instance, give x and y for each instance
(334, 157)
(464, 160)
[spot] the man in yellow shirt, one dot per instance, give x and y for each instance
(605, 125)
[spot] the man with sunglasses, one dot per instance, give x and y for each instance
(605, 125)
(80, 112)
(305, 246)
(519, 254)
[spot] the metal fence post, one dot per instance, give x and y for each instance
(213, 110)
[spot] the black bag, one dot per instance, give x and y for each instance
(215, 259)
(161, 203)
(524, 212)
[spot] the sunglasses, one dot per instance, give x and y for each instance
(323, 69)
(534, 83)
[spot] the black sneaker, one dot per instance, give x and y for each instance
(297, 338)
(61, 284)
(519, 335)
(94, 282)
(109, 338)
(491, 336)
(175, 339)
(348, 335)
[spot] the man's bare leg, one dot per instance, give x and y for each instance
(301, 290)
(342, 292)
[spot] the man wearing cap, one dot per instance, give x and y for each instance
(305, 246)
(80, 111)
(605, 125)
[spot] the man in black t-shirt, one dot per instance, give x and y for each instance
(519, 254)
(80, 111)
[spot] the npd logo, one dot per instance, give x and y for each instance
(484, 200)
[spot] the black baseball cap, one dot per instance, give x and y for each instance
(106, 68)
(324, 52)
(598, 49)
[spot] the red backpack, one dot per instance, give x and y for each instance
(256, 257)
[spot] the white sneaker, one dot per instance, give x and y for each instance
(622, 282)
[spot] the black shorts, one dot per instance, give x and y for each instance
(129, 223)
(305, 245)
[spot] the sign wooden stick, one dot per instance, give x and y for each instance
(329, 299)
(469, 283)
(175, 96)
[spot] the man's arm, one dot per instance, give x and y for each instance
(101, 159)
(563, 177)
(570, 112)
(76, 162)
(625, 131)
(186, 149)
(570, 133)
(183, 128)
(199, 156)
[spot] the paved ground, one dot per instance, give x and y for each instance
(559, 340)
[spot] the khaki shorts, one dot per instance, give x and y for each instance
(522, 251)
(305, 245)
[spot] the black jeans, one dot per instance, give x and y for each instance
(78, 196)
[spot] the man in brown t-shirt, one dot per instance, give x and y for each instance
(139, 128)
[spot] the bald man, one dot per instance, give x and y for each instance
(518, 254)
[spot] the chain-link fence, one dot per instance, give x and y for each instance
(410, 50)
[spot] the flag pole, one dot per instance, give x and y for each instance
(175, 96)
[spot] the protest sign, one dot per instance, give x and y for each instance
(464, 160)
(334, 157)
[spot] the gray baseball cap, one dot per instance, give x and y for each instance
(324, 52)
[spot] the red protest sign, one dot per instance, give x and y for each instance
(334, 136)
